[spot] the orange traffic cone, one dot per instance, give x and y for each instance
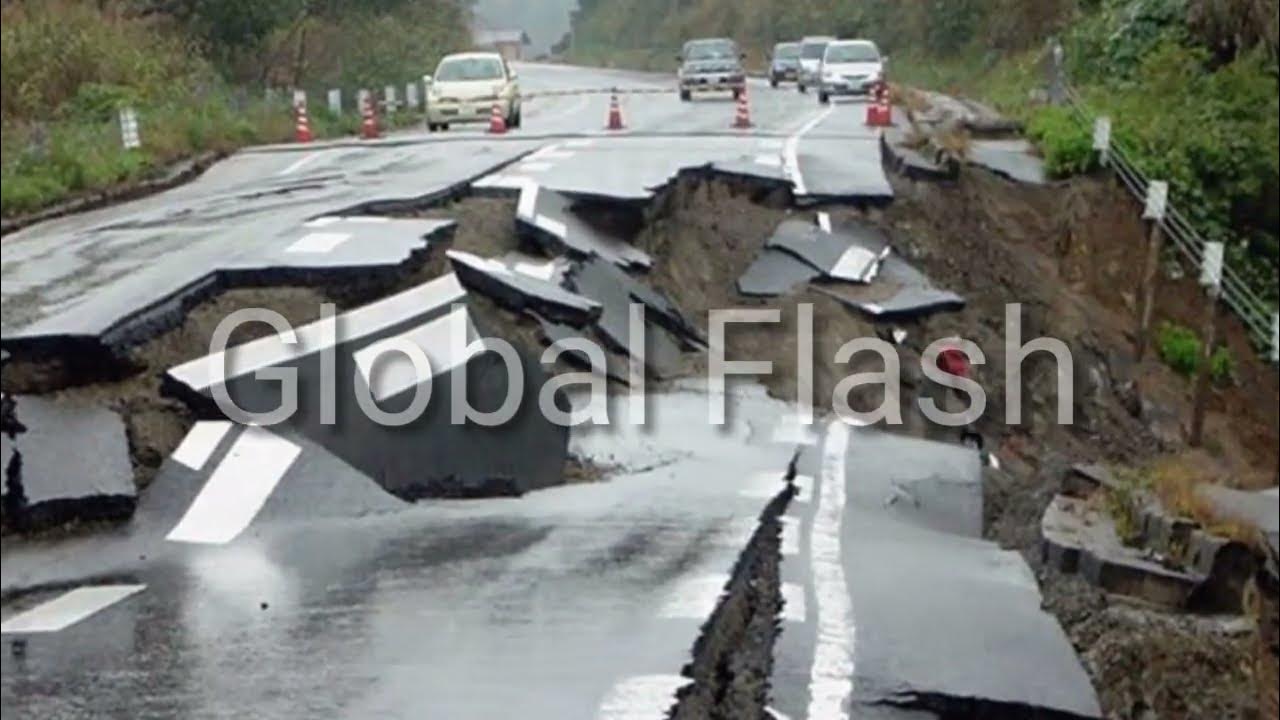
(302, 125)
(742, 119)
(369, 119)
(497, 123)
(615, 114)
(880, 110)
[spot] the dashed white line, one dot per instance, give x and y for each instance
(534, 167)
(790, 536)
(68, 609)
(694, 598)
(318, 243)
(580, 142)
(301, 163)
(804, 489)
(643, 697)
(831, 677)
(238, 488)
(824, 222)
(793, 603)
(387, 371)
(200, 442)
(789, 153)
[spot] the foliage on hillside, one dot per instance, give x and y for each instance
(196, 71)
(1190, 84)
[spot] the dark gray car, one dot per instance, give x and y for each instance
(709, 65)
(785, 65)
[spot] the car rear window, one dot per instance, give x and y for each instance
(464, 69)
(814, 50)
(711, 50)
(859, 52)
(787, 52)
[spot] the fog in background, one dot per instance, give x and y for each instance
(546, 21)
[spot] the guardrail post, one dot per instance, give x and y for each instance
(411, 96)
(1102, 139)
(1211, 277)
(1057, 80)
(335, 101)
(1157, 205)
(129, 129)
(389, 95)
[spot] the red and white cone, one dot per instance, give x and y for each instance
(615, 114)
(369, 119)
(302, 124)
(742, 117)
(880, 110)
(497, 123)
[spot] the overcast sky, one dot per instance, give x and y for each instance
(546, 21)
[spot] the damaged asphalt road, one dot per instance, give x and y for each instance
(357, 571)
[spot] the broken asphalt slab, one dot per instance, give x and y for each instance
(70, 464)
(424, 453)
(900, 291)
(524, 286)
(916, 614)
(851, 252)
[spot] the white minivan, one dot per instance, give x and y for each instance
(465, 88)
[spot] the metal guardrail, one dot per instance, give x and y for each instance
(1256, 314)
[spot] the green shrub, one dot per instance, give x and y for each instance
(1180, 348)
(1066, 144)
(1222, 367)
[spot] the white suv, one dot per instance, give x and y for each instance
(850, 67)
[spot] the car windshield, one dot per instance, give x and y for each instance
(464, 69)
(861, 52)
(814, 50)
(787, 52)
(711, 50)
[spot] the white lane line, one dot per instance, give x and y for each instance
(769, 160)
(580, 142)
(795, 429)
(68, 609)
(201, 440)
(763, 486)
(831, 677)
(694, 598)
(804, 489)
(551, 225)
(237, 490)
(855, 265)
(318, 243)
(644, 697)
(301, 163)
(790, 150)
(790, 536)
(387, 371)
(824, 222)
(203, 373)
(793, 603)
(771, 144)
(535, 167)
(527, 207)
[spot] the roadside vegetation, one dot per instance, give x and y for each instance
(1191, 85)
(197, 72)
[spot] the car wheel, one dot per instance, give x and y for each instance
(432, 127)
(773, 82)
(823, 98)
(800, 87)
(685, 96)
(519, 118)
(737, 94)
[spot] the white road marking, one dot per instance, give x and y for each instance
(644, 697)
(200, 442)
(528, 204)
(301, 163)
(792, 429)
(776, 715)
(68, 609)
(789, 153)
(207, 371)
(831, 677)
(804, 489)
(318, 243)
(763, 486)
(856, 264)
(397, 373)
(790, 536)
(325, 221)
(694, 598)
(771, 144)
(238, 488)
(769, 160)
(824, 222)
(580, 142)
(793, 603)
(534, 167)
(551, 225)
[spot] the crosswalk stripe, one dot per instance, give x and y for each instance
(68, 609)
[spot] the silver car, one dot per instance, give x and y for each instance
(711, 64)
(850, 67)
(811, 52)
